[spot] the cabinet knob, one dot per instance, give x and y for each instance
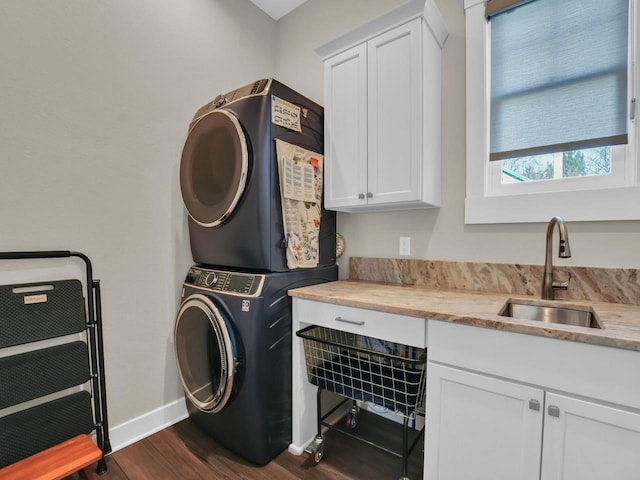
(361, 196)
(369, 195)
(534, 405)
(553, 411)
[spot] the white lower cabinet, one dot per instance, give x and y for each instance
(483, 428)
(479, 427)
(589, 441)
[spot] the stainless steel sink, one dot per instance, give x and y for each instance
(551, 312)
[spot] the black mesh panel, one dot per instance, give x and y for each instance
(34, 374)
(38, 315)
(35, 429)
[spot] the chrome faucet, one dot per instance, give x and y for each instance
(564, 251)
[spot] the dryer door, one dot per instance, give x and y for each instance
(207, 353)
(213, 169)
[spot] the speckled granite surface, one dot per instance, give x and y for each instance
(458, 293)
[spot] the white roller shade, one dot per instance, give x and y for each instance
(558, 76)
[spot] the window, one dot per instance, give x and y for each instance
(545, 168)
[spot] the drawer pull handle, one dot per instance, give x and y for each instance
(534, 404)
(352, 322)
(553, 411)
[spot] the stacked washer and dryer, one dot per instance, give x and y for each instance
(233, 327)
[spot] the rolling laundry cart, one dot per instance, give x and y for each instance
(362, 368)
(52, 382)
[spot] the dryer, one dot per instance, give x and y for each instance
(229, 177)
(233, 347)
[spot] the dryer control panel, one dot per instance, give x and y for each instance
(231, 283)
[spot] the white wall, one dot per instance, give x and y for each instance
(438, 234)
(95, 100)
(311, 25)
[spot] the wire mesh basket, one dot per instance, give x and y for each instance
(388, 374)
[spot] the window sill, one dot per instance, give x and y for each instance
(609, 204)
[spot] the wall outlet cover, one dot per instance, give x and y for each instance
(405, 245)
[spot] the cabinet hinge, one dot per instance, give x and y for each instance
(632, 109)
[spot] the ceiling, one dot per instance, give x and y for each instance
(277, 9)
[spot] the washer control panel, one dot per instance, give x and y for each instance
(233, 283)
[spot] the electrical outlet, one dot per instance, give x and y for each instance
(405, 245)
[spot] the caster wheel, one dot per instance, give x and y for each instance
(317, 455)
(351, 421)
(316, 451)
(352, 418)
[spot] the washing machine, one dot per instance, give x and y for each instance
(233, 347)
(229, 176)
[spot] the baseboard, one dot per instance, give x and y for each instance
(151, 422)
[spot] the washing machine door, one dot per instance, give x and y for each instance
(213, 169)
(207, 353)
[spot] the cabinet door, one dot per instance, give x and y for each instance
(395, 109)
(589, 441)
(479, 427)
(345, 84)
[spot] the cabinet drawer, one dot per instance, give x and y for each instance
(385, 326)
(604, 373)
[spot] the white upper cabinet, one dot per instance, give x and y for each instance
(345, 80)
(394, 116)
(382, 112)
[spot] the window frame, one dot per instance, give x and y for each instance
(620, 176)
(483, 204)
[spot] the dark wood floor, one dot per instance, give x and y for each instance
(182, 452)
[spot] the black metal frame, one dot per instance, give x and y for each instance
(94, 337)
(406, 448)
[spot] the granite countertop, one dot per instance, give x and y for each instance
(621, 322)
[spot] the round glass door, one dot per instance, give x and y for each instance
(213, 169)
(206, 353)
